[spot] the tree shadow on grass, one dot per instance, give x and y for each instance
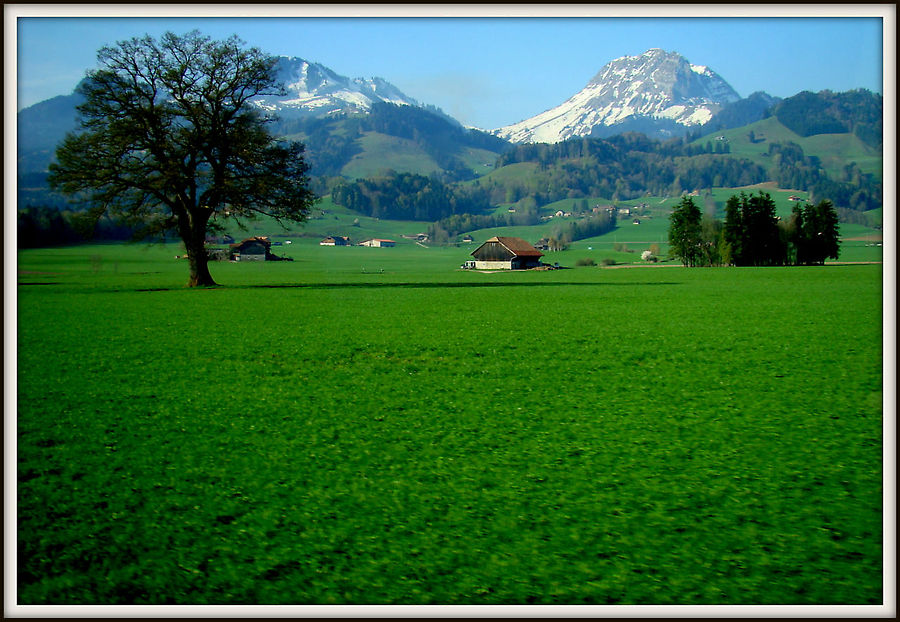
(404, 285)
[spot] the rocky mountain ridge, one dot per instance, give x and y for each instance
(314, 90)
(657, 90)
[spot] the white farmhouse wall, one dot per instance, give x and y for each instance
(493, 265)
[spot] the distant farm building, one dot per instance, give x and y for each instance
(335, 240)
(506, 253)
(378, 242)
(418, 237)
(254, 249)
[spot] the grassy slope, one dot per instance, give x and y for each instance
(382, 152)
(834, 150)
(517, 172)
(660, 436)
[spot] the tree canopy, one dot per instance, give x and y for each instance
(170, 140)
(815, 233)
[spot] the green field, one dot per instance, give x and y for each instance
(375, 426)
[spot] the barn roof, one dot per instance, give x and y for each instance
(517, 246)
(251, 241)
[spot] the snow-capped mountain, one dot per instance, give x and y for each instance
(315, 90)
(658, 90)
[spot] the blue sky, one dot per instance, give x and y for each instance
(492, 71)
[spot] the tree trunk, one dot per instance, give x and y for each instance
(199, 266)
(195, 243)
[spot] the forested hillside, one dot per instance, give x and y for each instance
(626, 166)
(743, 112)
(621, 167)
(333, 141)
(406, 196)
(854, 191)
(859, 112)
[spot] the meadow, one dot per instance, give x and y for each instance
(375, 426)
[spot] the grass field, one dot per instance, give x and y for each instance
(374, 426)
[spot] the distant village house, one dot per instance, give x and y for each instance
(378, 243)
(335, 240)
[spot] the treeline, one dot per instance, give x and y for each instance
(858, 111)
(448, 229)
(855, 190)
(752, 234)
(626, 166)
(40, 226)
(407, 196)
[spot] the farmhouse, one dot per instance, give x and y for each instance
(506, 253)
(378, 242)
(254, 249)
(335, 240)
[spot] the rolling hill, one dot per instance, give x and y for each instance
(835, 151)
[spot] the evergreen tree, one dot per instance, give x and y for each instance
(732, 232)
(751, 234)
(685, 233)
(817, 234)
(762, 238)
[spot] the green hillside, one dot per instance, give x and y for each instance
(381, 152)
(404, 139)
(834, 150)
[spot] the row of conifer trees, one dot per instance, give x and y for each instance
(753, 235)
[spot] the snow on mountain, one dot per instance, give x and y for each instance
(315, 90)
(656, 86)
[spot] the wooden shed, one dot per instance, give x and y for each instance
(506, 253)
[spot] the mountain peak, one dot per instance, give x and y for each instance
(314, 90)
(656, 88)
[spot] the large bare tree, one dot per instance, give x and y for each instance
(170, 141)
